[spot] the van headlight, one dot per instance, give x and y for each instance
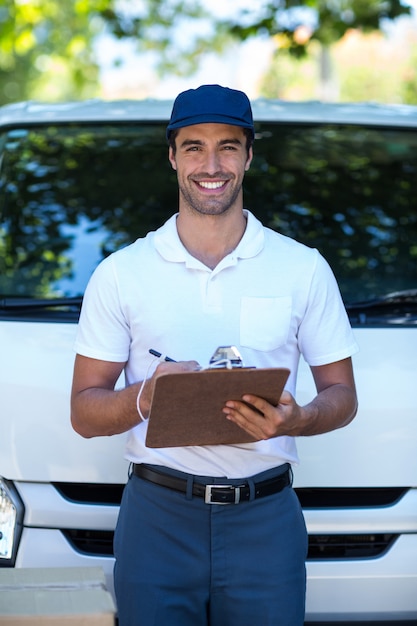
(11, 520)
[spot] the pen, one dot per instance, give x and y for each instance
(159, 355)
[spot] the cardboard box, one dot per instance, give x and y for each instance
(75, 596)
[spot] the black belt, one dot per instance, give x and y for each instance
(216, 493)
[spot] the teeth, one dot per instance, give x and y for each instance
(211, 185)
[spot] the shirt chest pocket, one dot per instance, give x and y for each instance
(264, 322)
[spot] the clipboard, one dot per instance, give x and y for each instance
(186, 408)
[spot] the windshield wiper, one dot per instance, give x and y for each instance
(396, 307)
(408, 296)
(16, 304)
(13, 307)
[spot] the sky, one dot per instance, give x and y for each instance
(241, 67)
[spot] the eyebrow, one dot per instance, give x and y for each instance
(198, 142)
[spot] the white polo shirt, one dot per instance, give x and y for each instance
(272, 297)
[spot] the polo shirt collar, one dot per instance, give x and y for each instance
(170, 247)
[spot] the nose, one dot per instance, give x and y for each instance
(212, 162)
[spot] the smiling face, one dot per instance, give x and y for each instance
(210, 161)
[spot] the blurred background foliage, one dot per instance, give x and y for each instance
(48, 48)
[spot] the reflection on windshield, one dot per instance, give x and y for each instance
(350, 192)
(71, 194)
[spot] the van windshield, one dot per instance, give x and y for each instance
(71, 194)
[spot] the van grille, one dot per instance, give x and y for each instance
(91, 493)
(349, 497)
(349, 546)
(363, 497)
(100, 543)
(91, 542)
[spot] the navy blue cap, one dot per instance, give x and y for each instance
(211, 104)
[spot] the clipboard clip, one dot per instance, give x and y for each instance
(227, 357)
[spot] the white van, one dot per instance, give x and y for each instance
(78, 181)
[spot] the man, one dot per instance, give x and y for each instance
(212, 276)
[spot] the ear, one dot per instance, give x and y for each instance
(171, 157)
(249, 159)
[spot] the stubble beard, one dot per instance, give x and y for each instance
(211, 205)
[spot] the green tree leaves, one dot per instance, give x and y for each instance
(47, 46)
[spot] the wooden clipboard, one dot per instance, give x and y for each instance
(186, 407)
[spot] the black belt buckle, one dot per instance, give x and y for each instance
(210, 497)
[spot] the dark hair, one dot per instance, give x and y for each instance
(173, 135)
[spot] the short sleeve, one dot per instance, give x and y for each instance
(325, 335)
(103, 331)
